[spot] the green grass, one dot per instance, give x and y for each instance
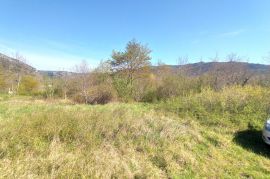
(206, 135)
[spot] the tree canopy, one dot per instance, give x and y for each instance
(135, 57)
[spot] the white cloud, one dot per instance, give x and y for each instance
(232, 33)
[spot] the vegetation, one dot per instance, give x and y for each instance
(29, 85)
(147, 122)
(210, 134)
(129, 77)
(2, 79)
(129, 66)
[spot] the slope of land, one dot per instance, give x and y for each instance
(211, 134)
(13, 65)
(196, 69)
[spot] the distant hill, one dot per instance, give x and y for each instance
(13, 65)
(194, 69)
(54, 73)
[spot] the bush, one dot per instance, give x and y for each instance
(101, 91)
(150, 96)
(101, 94)
(29, 85)
(174, 85)
(236, 104)
(124, 91)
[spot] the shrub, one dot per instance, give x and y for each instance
(150, 96)
(124, 91)
(29, 85)
(101, 90)
(2, 80)
(101, 94)
(236, 104)
(175, 85)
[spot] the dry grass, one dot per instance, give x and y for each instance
(60, 140)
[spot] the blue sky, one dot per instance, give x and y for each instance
(57, 34)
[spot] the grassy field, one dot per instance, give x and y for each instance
(206, 135)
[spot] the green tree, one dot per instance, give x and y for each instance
(130, 64)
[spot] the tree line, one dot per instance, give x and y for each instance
(129, 76)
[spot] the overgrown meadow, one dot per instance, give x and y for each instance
(209, 134)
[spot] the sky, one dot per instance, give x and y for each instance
(58, 34)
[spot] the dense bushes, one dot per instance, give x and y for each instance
(104, 87)
(234, 103)
(99, 94)
(150, 86)
(98, 89)
(176, 85)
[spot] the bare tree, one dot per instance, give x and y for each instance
(267, 58)
(104, 67)
(82, 77)
(215, 58)
(65, 80)
(265, 79)
(183, 60)
(20, 71)
(229, 73)
(233, 57)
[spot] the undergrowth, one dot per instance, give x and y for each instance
(209, 134)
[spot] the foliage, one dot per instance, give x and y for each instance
(207, 135)
(2, 79)
(135, 57)
(29, 85)
(101, 90)
(130, 65)
(236, 104)
(101, 94)
(124, 91)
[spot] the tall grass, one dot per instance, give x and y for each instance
(189, 137)
(232, 105)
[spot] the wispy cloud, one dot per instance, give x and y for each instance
(232, 33)
(204, 32)
(49, 60)
(55, 62)
(195, 41)
(61, 46)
